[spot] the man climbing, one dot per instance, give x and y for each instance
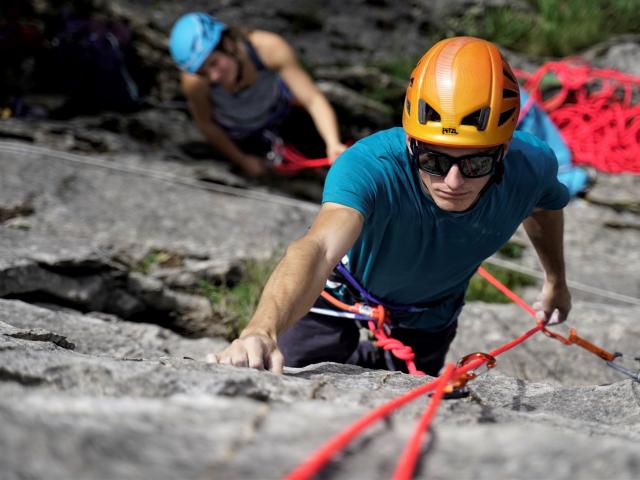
(416, 210)
(240, 84)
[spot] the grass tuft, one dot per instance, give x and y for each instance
(552, 27)
(237, 302)
(480, 290)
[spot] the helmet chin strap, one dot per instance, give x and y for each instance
(498, 172)
(496, 176)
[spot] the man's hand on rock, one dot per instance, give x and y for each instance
(254, 351)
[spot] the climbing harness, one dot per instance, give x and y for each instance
(593, 110)
(376, 313)
(453, 377)
(377, 319)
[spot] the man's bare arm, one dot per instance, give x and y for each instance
(278, 55)
(293, 287)
(545, 229)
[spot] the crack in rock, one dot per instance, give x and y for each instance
(7, 375)
(91, 286)
(22, 209)
(40, 335)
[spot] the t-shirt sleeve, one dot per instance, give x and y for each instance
(354, 180)
(553, 195)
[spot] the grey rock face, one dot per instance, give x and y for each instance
(134, 401)
(91, 225)
(483, 327)
(86, 394)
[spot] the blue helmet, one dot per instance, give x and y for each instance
(193, 37)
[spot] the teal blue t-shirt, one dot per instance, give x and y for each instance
(411, 252)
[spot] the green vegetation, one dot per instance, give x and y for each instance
(391, 96)
(399, 67)
(512, 249)
(238, 301)
(159, 257)
(482, 291)
(553, 27)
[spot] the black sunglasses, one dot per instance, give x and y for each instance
(438, 164)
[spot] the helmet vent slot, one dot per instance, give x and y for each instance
(426, 113)
(478, 119)
(506, 115)
(408, 107)
(507, 93)
(509, 75)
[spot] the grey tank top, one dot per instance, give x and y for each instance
(258, 107)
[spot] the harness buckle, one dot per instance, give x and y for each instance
(378, 313)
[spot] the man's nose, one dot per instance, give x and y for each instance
(454, 178)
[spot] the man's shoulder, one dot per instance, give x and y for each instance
(366, 169)
(391, 138)
(529, 145)
(531, 154)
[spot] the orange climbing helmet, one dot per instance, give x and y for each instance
(462, 93)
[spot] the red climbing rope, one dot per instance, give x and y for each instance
(452, 377)
(594, 112)
(572, 339)
(396, 347)
(508, 293)
(291, 160)
(377, 326)
(316, 462)
(408, 459)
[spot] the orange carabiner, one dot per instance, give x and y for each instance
(463, 379)
(489, 360)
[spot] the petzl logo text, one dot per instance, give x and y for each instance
(449, 131)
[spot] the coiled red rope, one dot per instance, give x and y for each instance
(594, 112)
